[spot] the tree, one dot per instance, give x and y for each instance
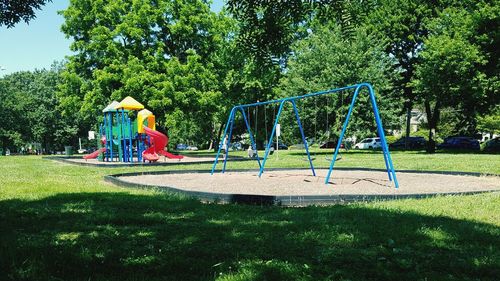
(400, 23)
(268, 28)
(10, 130)
(450, 73)
(325, 60)
(266, 32)
(14, 11)
(490, 123)
(30, 111)
(159, 52)
(402, 26)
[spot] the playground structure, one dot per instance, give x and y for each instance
(226, 137)
(120, 136)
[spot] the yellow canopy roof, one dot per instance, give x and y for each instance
(145, 115)
(130, 103)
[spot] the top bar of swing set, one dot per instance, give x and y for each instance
(229, 126)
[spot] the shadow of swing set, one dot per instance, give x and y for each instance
(228, 131)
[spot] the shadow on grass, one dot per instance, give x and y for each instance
(118, 236)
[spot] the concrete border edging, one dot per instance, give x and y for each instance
(67, 160)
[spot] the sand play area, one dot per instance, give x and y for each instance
(301, 184)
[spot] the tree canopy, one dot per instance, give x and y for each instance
(326, 59)
(159, 52)
(190, 65)
(30, 111)
(14, 11)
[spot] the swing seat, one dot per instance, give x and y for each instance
(330, 159)
(306, 159)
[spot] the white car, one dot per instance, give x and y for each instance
(369, 143)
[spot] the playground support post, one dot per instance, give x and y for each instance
(105, 126)
(229, 127)
(130, 146)
(223, 138)
(268, 148)
(122, 139)
(380, 130)
(344, 127)
(385, 147)
(269, 143)
(109, 138)
(108, 119)
(306, 145)
(227, 142)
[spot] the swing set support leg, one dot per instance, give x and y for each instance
(268, 147)
(303, 136)
(222, 140)
(337, 148)
(228, 144)
(253, 144)
(381, 134)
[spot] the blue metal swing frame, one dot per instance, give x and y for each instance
(228, 131)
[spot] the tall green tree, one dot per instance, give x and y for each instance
(159, 52)
(403, 26)
(327, 59)
(266, 32)
(452, 71)
(11, 130)
(30, 111)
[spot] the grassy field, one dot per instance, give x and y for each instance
(62, 222)
(412, 160)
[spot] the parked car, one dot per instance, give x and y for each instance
(331, 144)
(281, 146)
(181, 146)
(413, 143)
(192, 147)
(369, 143)
(493, 145)
(459, 143)
(236, 146)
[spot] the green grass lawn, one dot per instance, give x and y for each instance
(465, 162)
(63, 222)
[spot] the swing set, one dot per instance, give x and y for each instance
(228, 131)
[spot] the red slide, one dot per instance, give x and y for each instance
(94, 154)
(150, 154)
(159, 142)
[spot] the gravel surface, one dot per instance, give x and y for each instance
(301, 182)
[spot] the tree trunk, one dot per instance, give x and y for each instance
(408, 124)
(432, 119)
(408, 95)
(216, 141)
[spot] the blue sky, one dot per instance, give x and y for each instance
(38, 44)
